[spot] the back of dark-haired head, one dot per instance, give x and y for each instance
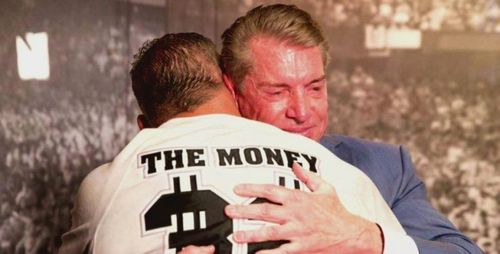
(285, 23)
(174, 74)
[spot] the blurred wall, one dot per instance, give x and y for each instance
(443, 105)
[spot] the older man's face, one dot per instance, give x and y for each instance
(286, 87)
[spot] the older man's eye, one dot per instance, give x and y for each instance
(276, 92)
(317, 88)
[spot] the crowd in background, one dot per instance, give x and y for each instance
(46, 153)
(451, 129)
(433, 15)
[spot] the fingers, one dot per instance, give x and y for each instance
(191, 249)
(264, 211)
(311, 180)
(292, 247)
(271, 192)
(279, 194)
(267, 233)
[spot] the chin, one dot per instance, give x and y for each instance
(314, 137)
(309, 135)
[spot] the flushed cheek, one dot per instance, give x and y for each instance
(273, 112)
(319, 107)
(322, 116)
(253, 108)
(262, 115)
(246, 110)
(320, 119)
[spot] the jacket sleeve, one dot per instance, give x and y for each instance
(432, 232)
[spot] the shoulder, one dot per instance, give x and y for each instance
(94, 181)
(361, 147)
(357, 143)
(89, 194)
(85, 205)
(388, 166)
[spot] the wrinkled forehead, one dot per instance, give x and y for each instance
(278, 61)
(261, 46)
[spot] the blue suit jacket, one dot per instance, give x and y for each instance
(392, 171)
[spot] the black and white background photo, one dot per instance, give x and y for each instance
(422, 73)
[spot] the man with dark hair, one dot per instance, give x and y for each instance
(168, 188)
(186, 67)
(274, 60)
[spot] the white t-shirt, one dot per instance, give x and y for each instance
(168, 187)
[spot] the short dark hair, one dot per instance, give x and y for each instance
(174, 74)
(286, 23)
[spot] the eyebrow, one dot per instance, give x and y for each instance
(323, 77)
(273, 84)
(317, 80)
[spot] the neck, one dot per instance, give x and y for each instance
(221, 103)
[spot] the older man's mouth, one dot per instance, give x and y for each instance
(300, 130)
